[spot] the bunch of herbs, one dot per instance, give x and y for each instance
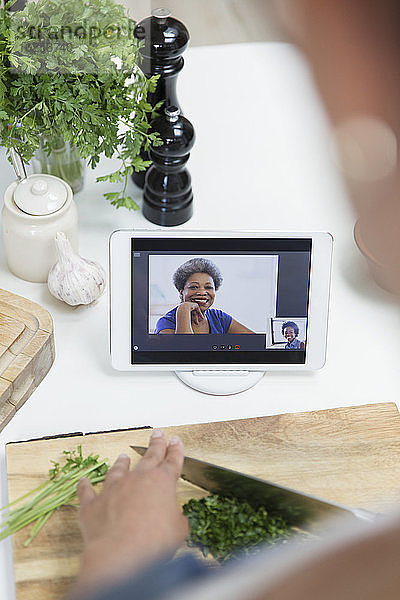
(70, 70)
(59, 489)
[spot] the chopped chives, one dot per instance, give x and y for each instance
(57, 491)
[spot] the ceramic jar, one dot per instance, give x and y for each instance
(34, 210)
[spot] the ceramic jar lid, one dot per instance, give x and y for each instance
(40, 195)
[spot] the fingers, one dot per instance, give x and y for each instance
(85, 491)
(197, 315)
(174, 457)
(155, 453)
(194, 315)
(118, 470)
(196, 309)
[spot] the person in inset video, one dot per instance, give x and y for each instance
(197, 280)
(290, 331)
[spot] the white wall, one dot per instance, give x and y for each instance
(248, 292)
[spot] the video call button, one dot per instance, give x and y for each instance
(222, 347)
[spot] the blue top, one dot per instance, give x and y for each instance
(294, 345)
(218, 320)
(158, 580)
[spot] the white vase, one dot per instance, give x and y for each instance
(63, 161)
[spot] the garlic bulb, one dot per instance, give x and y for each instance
(74, 279)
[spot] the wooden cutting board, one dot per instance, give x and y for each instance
(26, 351)
(348, 455)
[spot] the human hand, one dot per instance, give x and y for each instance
(194, 310)
(135, 518)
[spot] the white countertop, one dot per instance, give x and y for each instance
(262, 160)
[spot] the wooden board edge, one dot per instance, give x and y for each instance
(7, 412)
(122, 429)
(77, 434)
(42, 315)
(24, 382)
(29, 319)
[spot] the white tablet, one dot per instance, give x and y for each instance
(219, 301)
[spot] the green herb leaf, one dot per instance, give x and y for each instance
(227, 527)
(119, 201)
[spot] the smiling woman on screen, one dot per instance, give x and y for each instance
(197, 280)
(290, 330)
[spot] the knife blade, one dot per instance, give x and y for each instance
(298, 509)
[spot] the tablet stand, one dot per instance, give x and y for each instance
(220, 383)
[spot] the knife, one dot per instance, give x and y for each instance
(297, 508)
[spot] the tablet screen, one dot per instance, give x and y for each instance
(195, 300)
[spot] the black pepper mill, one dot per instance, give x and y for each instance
(168, 196)
(165, 39)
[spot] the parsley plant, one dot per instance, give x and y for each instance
(69, 69)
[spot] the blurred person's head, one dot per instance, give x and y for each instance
(353, 50)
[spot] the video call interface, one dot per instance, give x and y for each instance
(222, 300)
